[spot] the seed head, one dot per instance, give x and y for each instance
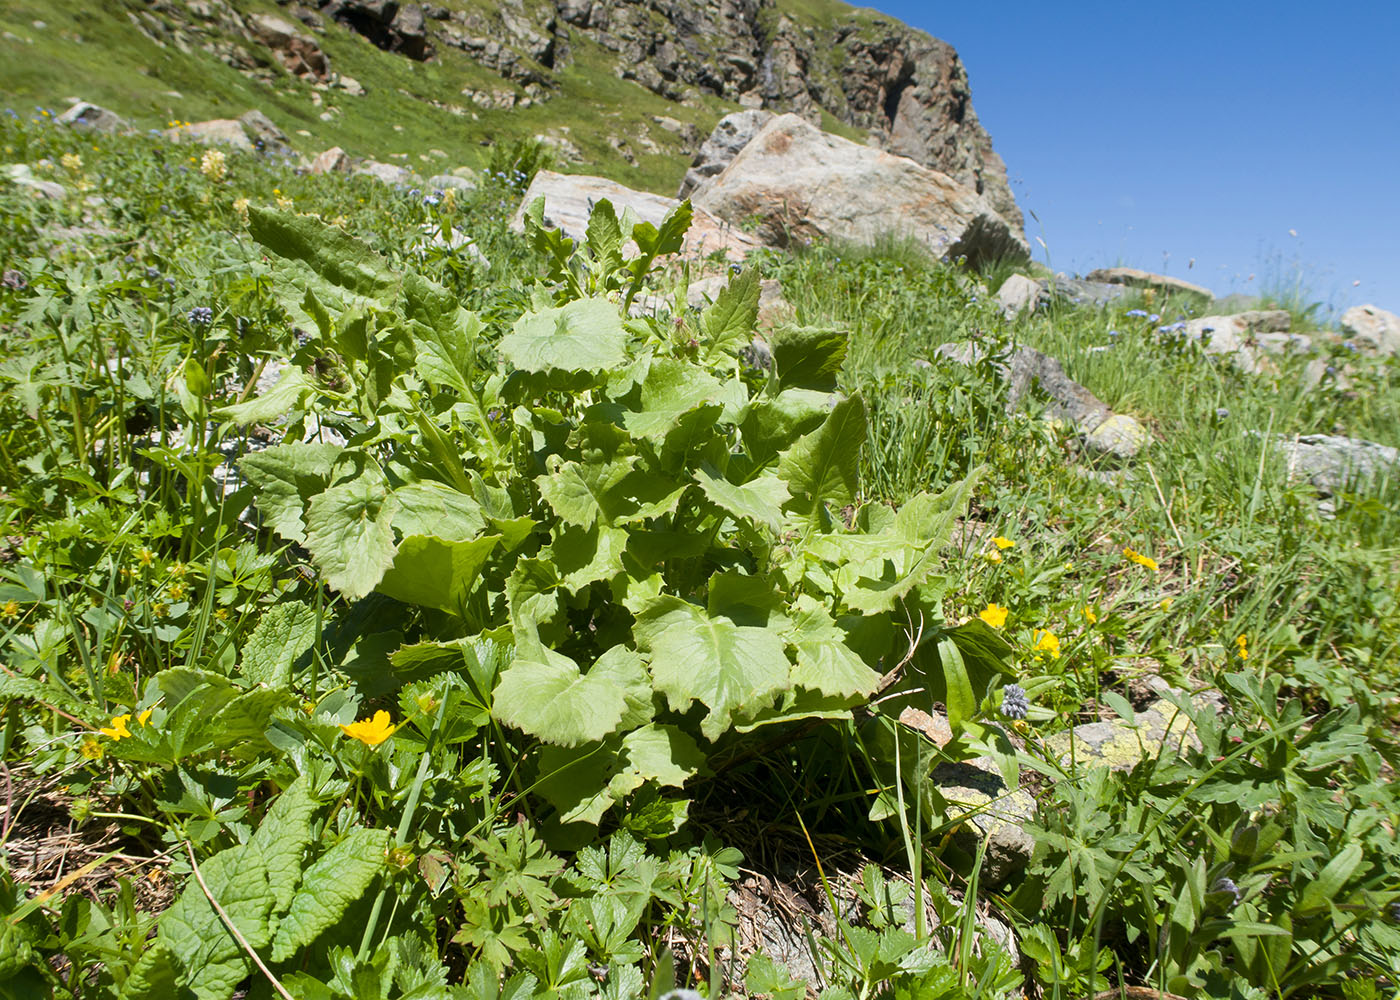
(1014, 703)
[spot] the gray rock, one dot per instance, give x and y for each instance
(331, 161)
(85, 115)
(1019, 294)
(298, 53)
(1333, 463)
(442, 182)
(1284, 343)
(1027, 369)
(570, 197)
(1121, 743)
(1079, 291)
(386, 173)
(218, 131)
(1135, 278)
(265, 133)
(801, 183)
(975, 793)
(1373, 328)
(1239, 336)
(20, 175)
(729, 137)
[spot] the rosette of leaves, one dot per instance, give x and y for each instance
(675, 548)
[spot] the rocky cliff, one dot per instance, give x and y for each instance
(907, 90)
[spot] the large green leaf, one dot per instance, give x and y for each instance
(824, 662)
(333, 254)
(214, 960)
(585, 782)
(670, 390)
(584, 336)
(286, 477)
(583, 494)
(771, 423)
(282, 838)
(430, 508)
(285, 395)
(585, 557)
(437, 573)
(807, 357)
(729, 321)
(330, 885)
(823, 467)
(760, 500)
(282, 636)
(446, 352)
(157, 974)
(552, 699)
(728, 668)
(349, 535)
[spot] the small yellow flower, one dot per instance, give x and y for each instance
(91, 749)
(992, 557)
(1069, 567)
(240, 205)
(144, 717)
(1140, 559)
(214, 165)
(221, 614)
(117, 727)
(114, 663)
(10, 610)
(1003, 543)
(1089, 615)
(160, 609)
(994, 615)
(177, 591)
(371, 732)
(285, 204)
(178, 570)
(1164, 603)
(1243, 643)
(1046, 642)
(72, 162)
(145, 556)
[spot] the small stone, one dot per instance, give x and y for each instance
(1019, 294)
(1120, 436)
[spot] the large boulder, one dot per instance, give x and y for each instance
(569, 198)
(730, 136)
(264, 133)
(1238, 336)
(1136, 278)
(295, 50)
(1374, 328)
(390, 25)
(90, 116)
(1332, 463)
(217, 131)
(800, 182)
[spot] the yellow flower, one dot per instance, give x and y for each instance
(178, 570)
(992, 557)
(145, 557)
(117, 727)
(994, 615)
(240, 205)
(1089, 615)
(1164, 603)
(72, 162)
(371, 732)
(1069, 567)
(214, 165)
(144, 717)
(1140, 559)
(1003, 543)
(91, 749)
(10, 610)
(221, 614)
(1046, 642)
(284, 204)
(1243, 643)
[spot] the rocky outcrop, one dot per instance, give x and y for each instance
(1135, 278)
(390, 25)
(569, 198)
(297, 51)
(1373, 328)
(1026, 370)
(1334, 463)
(1244, 336)
(91, 116)
(1019, 294)
(727, 140)
(799, 183)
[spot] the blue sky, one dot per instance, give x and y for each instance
(1151, 134)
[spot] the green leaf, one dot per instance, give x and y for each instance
(436, 573)
(604, 239)
(961, 702)
(728, 323)
(282, 838)
(771, 423)
(585, 557)
(670, 390)
(726, 667)
(157, 974)
(760, 500)
(430, 508)
(286, 477)
(213, 959)
(824, 662)
(654, 242)
(333, 254)
(446, 353)
(583, 494)
(285, 395)
(585, 782)
(823, 467)
(1321, 891)
(808, 357)
(282, 636)
(553, 700)
(349, 536)
(585, 335)
(330, 885)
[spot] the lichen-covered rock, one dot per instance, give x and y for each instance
(976, 797)
(1331, 463)
(1375, 329)
(729, 137)
(91, 116)
(1136, 278)
(801, 183)
(1121, 743)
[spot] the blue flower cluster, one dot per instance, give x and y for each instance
(1176, 327)
(1014, 702)
(200, 316)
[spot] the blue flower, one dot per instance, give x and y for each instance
(1014, 703)
(1154, 318)
(1221, 413)
(1114, 333)
(1136, 313)
(1224, 887)
(200, 316)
